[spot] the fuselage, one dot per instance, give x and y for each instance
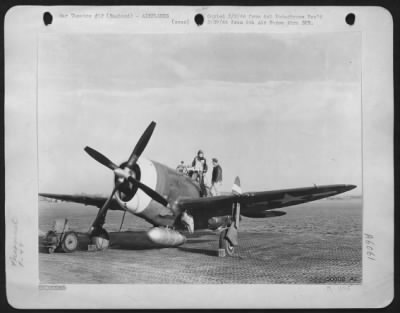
(167, 182)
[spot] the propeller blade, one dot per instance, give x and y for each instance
(237, 215)
(150, 192)
(100, 158)
(141, 145)
(236, 190)
(103, 211)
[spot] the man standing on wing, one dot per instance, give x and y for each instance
(181, 168)
(199, 167)
(216, 179)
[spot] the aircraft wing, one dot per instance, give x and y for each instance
(97, 201)
(253, 203)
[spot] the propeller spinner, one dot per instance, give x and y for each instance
(125, 174)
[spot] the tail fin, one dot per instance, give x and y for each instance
(236, 190)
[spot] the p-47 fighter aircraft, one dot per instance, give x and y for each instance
(171, 201)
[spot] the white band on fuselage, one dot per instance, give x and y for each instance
(148, 176)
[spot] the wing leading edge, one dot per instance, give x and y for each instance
(97, 201)
(253, 202)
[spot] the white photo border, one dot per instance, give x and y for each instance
(23, 25)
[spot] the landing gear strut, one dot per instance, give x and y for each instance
(225, 244)
(228, 239)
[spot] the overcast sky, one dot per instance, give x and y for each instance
(278, 110)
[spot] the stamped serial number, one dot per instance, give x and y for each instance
(52, 287)
(335, 278)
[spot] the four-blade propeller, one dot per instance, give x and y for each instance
(125, 174)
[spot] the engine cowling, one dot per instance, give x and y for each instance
(147, 174)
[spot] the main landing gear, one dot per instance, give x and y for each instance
(225, 244)
(228, 239)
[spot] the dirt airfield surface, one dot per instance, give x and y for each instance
(315, 243)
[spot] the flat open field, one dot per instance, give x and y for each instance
(318, 242)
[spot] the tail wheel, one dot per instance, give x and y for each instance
(225, 244)
(101, 239)
(69, 242)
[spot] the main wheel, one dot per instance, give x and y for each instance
(101, 239)
(225, 244)
(69, 242)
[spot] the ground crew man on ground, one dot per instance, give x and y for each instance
(216, 179)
